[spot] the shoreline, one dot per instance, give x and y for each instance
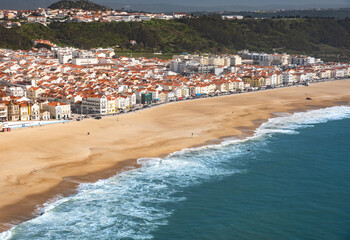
(100, 158)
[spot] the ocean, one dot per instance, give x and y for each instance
(291, 180)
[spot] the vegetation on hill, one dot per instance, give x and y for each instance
(311, 13)
(13, 39)
(82, 4)
(319, 37)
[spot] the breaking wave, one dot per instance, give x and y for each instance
(133, 204)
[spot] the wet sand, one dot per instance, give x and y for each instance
(38, 164)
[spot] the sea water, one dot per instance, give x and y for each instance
(291, 180)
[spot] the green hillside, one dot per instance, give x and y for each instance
(81, 4)
(329, 38)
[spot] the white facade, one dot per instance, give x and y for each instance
(236, 60)
(15, 91)
(94, 105)
(174, 65)
(120, 103)
(3, 112)
(35, 112)
(84, 61)
(58, 110)
(64, 58)
(287, 78)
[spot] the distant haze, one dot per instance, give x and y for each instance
(189, 5)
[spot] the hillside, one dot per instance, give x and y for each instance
(311, 13)
(326, 38)
(82, 4)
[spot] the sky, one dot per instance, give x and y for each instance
(190, 5)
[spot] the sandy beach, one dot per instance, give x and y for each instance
(40, 163)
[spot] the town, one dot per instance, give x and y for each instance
(45, 16)
(68, 83)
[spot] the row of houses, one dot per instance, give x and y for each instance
(266, 59)
(44, 15)
(115, 84)
(27, 111)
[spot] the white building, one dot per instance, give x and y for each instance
(174, 65)
(36, 19)
(15, 91)
(35, 112)
(232, 17)
(287, 78)
(84, 61)
(3, 112)
(94, 105)
(58, 110)
(236, 60)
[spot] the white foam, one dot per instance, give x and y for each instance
(134, 203)
(286, 123)
(7, 235)
(306, 119)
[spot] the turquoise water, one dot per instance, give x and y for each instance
(290, 181)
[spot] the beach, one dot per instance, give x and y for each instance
(40, 163)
